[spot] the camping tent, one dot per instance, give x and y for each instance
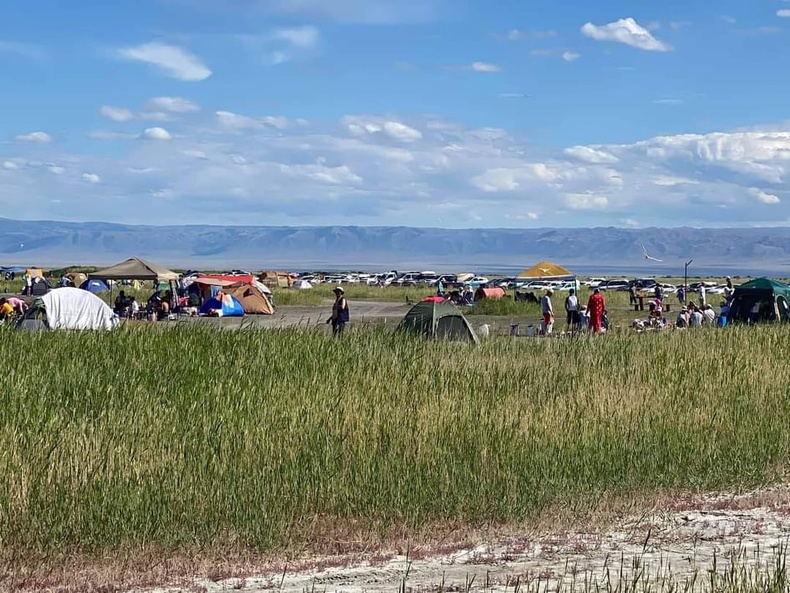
(95, 286)
(302, 285)
(438, 320)
(252, 298)
(222, 305)
(135, 268)
(758, 300)
(39, 286)
(489, 293)
(68, 308)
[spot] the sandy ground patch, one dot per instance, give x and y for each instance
(688, 537)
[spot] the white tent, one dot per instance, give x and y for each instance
(302, 285)
(72, 308)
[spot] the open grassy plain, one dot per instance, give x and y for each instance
(193, 441)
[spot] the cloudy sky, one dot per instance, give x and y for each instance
(450, 113)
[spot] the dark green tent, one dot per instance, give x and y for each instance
(438, 320)
(761, 299)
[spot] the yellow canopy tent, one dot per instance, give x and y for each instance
(546, 269)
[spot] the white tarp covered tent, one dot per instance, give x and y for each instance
(72, 308)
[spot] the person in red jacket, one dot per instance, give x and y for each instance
(596, 307)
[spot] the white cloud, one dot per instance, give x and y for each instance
(174, 104)
(570, 56)
(730, 20)
(174, 61)
(228, 120)
(626, 31)
(484, 67)
(157, 134)
(119, 114)
(91, 178)
(764, 197)
(305, 37)
(515, 35)
(784, 13)
(374, 168)
(41, 137)
(590, 155)
(668, 101)
(395, 130)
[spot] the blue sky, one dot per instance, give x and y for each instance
(458, 113)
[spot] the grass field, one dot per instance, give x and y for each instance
(272, 440)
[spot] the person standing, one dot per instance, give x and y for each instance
(548, 313)
(596, 307)
(572, 309)
(339, 312)
(701, 294)
(682, 295)
(729, 290)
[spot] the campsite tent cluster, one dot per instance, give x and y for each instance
(80, 308)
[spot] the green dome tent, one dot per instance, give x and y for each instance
(761, 299)
(438, 320)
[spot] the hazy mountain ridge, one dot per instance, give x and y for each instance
(59, 243)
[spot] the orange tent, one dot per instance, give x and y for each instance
(489, 293)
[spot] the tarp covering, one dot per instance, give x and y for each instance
(545, 269)
(223, 280)
(135, 268)
(73, 308)
(438, 320)
(252, 299)
(223, 305)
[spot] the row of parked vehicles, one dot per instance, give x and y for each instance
(394, 278)
(648, 284)
(431, 279)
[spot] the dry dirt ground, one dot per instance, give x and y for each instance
(363, 313)
(683, 537)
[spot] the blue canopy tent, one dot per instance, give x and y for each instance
(222, 305)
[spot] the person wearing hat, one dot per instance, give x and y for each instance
(548, 313)
(339, 312)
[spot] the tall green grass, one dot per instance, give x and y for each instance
(260, 438)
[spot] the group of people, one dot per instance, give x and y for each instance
(591, 316)
(11, 307)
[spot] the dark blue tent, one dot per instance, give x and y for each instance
(95, 286)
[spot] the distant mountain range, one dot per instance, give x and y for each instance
(51, 243)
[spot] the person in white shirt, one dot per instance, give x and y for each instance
(701, 293)
(709, 315)
(695, 319)
(572, 309)
(548, 313)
